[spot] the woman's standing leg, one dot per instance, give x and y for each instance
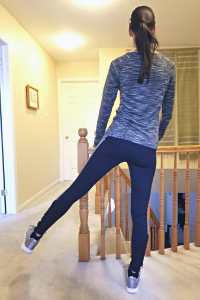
(142, 168)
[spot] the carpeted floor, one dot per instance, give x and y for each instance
(52, 271)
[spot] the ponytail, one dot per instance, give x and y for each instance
(145, 40)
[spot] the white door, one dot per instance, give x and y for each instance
(2, 177)
(80, 108)
(2, 181)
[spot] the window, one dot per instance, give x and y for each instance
(186, 108)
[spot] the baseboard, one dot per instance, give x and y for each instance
(20, 208)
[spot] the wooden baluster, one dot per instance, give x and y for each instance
(121, 221)
(174, 227)
(98, 198)
(105, 183)
(161, 230)
(197, 224)
(126, 203)
(102, 219)
(84, 233)
(97, 195)
(115, 192)
(117, 208)
(156, 239)
(153, 246)
(186, 226)
(148, 248)
(109, 199)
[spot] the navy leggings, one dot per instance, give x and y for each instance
(110, 152)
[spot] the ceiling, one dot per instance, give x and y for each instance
(103, 26)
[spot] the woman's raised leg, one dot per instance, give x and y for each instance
(106, 156)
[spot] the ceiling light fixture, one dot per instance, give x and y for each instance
(68, 41)
(92, 2)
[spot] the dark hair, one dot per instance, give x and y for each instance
(142, 22)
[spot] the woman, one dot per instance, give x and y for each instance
(146, 80)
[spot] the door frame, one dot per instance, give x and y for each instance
(8, 124)
(60, 119)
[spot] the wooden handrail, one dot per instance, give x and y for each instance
(173, 149)
(126, 178)
(154, 218)
(168, 149)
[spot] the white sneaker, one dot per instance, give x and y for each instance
(29, 243)
(132, 283)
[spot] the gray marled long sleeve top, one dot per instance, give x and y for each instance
(137, 117)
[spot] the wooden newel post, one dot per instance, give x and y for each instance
(84, 233)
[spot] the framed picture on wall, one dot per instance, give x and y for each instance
(32, 97)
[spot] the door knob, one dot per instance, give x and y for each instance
(66, 136)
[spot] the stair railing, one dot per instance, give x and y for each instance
(159, 234)
(155, 222)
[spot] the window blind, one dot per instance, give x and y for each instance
(188, 99)
(168, 138)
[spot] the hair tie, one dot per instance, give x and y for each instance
(143, 21)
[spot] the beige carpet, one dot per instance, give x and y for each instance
(52, 271)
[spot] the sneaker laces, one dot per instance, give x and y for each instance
(34, 228)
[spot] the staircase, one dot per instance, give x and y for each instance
(110, 242)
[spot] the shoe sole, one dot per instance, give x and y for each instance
(132, 291)
(24, 248)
